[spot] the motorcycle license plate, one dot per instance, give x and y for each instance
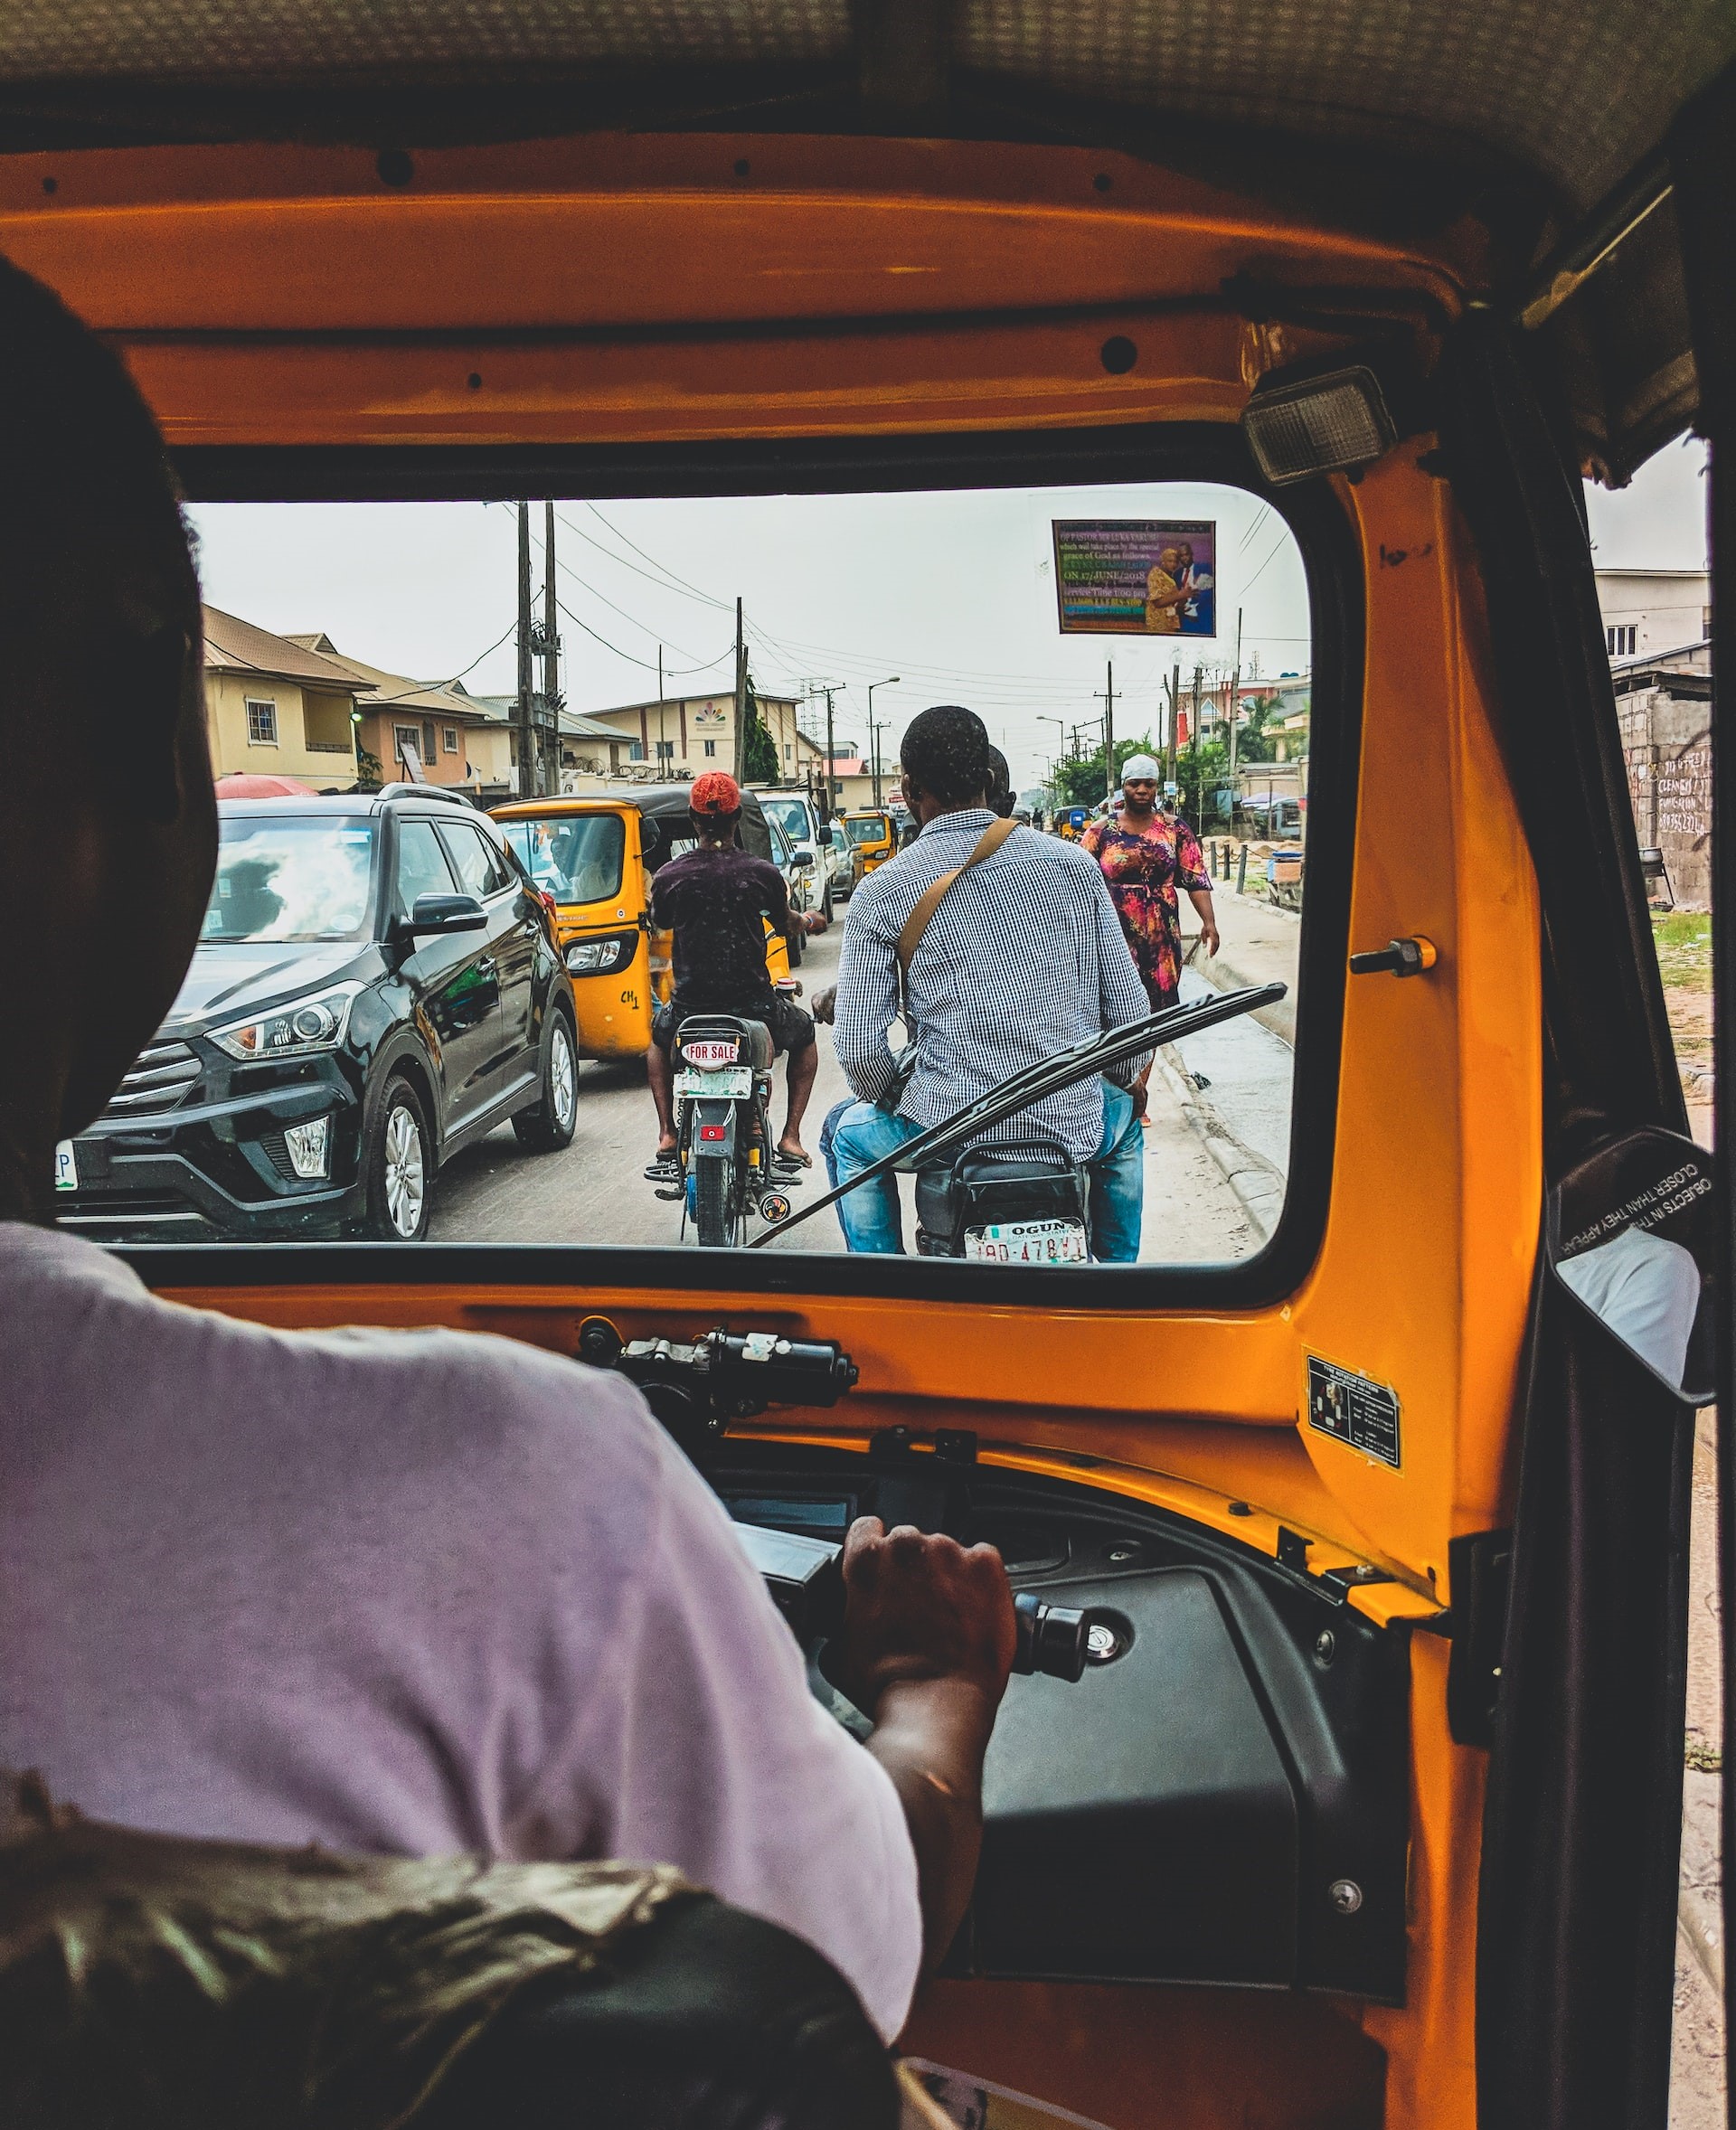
(735, 1080)
(1028, 1242)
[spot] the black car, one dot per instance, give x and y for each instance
(377, 984)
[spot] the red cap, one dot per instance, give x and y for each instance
(716, 792)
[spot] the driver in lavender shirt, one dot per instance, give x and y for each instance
(401, 1592)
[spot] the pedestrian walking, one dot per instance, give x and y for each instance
(1147, 855)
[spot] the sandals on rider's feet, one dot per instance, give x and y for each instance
(665, 1169)
(781, 1160)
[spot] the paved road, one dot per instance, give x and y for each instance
(596, 1193)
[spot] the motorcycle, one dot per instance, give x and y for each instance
(1023, 1205)
(722, 1164)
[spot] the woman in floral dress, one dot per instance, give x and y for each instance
(1146, 857)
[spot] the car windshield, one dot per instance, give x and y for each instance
(870, 831)
(290, 878)
(790, 816)
(576, 857)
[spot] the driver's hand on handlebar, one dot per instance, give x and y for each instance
(918, 1605)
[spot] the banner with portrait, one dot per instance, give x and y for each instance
(1141, 577)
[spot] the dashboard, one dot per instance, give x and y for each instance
(1220, 1797)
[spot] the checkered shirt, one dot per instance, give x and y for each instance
(1023, 957)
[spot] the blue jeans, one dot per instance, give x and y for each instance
(856, 1134)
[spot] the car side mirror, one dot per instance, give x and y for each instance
(437, 914)
(803, 861)
(823, 835)
(1631, 1235)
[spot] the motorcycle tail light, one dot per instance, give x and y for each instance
(713, 1131)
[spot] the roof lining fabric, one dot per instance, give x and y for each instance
(1577, 94)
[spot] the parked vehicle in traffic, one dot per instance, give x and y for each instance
(797, 815)
(796, 866)
(595, 857)
(377, 984)
(873, 839)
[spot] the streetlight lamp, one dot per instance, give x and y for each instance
(873, 730)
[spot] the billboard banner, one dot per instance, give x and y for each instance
(1136, 577)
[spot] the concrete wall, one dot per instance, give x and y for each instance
(379, 728)
(1667, 743)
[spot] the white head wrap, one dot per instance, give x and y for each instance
(1139, 768)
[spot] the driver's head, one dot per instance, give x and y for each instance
(714, 806)
(947, 760)
(1000, 783)
(108, 822)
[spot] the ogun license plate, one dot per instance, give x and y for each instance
(1028, 1242)
(735, 1080)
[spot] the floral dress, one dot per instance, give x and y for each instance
(1144, 869)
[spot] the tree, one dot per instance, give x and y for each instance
(759, 757)
(1080, 783)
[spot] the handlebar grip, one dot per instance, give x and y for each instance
(1052, 1638)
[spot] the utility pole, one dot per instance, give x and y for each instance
(1175, 686)
(740, 700)
(1106, 697)
(526, 730)
(873, 730)
(661, 734)
(1199, 679)
(831, 772)
(1235, 697)
(551, 735)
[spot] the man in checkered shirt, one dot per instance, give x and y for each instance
(1024, 957)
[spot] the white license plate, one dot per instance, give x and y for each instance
(1028, 1242)
(726, 1086)
(66, 1167)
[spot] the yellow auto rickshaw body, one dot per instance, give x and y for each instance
(873, 840)
(590, 853)
(642, 295)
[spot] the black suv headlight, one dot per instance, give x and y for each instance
(304, 1028)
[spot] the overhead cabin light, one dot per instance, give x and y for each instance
(1330, 424)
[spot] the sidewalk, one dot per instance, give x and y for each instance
(1258, 944)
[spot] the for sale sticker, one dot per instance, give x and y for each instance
(1362, 1414)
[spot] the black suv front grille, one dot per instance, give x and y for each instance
(161, 1077)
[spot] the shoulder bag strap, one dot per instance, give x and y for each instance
(910, 938)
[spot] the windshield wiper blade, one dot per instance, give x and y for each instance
(1049, 1076)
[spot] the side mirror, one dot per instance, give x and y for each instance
(437, 914)
(823, 835)
(1631, 1238)
(803, 861)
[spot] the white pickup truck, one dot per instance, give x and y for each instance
(797, 815)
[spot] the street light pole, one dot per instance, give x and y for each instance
(873, 730)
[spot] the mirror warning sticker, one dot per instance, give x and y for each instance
(1361, 1414)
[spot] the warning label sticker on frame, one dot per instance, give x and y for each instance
(1353, 1411)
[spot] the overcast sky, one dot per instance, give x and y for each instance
(952, 593)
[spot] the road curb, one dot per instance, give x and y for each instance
(1255, 1182)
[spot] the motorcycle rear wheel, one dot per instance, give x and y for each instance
(712, 1203)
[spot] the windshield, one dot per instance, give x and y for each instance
(290, 879)
(576, 857)
(1073, 625)
(790, 814)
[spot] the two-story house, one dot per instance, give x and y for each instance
(278, 707)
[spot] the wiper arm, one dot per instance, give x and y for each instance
(1049, 1076)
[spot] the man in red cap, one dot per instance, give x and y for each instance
(715, 900)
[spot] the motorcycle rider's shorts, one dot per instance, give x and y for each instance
(792, 1029)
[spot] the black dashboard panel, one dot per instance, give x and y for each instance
(1224, 1800)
